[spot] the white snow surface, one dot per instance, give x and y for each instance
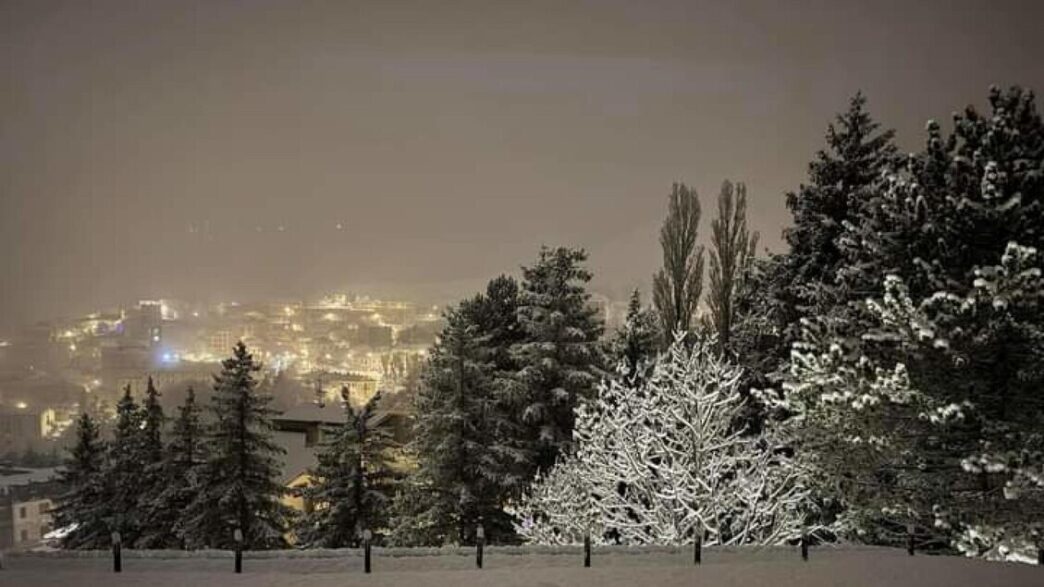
(524, 566)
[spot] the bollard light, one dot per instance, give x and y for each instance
(480, 540)
(117, 557)
(367, 536)
(587, 550)
(237, 535)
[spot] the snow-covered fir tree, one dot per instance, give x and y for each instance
(560, 359)
(353, 482)
(179, 479)
(842, 180)
(125, 473)
(634, 345)
(239, 487)
(82, 509)
(151, 457)
(661, 463)
(468, 443)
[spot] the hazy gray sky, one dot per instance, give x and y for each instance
(154, 148)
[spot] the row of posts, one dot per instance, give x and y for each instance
(480, 542)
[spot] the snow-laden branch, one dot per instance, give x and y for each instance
(657, 462)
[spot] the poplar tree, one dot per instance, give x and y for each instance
(732, 252)
(677, 287)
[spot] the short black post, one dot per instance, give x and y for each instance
(804, 547)
(367, 536)
(910, 530)
(117, 558)
(480, 541)
(587, 550)
(238, 537)
(1040, 555)
(697, 549)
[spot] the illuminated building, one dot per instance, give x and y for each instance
(26, 501)
(23, 428)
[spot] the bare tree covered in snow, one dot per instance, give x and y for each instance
(658, 461)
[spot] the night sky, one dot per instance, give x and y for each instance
(211, 149)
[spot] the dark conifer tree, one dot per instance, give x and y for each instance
(560, 358)
(842, 179)
(239, 487)
(125, 474)
(353, 481)
(82, 505)
(469, 461)
(179, 482)
(634, 346)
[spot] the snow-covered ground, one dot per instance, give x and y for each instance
(849, 567)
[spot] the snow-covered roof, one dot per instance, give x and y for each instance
(332, 413)
(25, 476)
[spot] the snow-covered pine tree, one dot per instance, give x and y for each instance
(495, 314)
(239, 486)
(151, 457)
(179, 480)
(82, 510)
(465, 445)
(634, 346)
(939, 224)
(732, 252)
(659, 463)
(677, 286)
(124, 474)
(353, 481)
(560, 360)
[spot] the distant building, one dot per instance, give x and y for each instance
(220, 342)
(26, 500)
(168, 376)
(144, 324)
(301, 432)
(22, 429)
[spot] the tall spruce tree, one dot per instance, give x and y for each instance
(468, 444)
(560, 360)
(178, 477)
(353, 481)
(677, 287)
(731, 256)
(841, 181)
(151, 457)
(125, 474)
(82, 508)
(239, 486)
(807, 281)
